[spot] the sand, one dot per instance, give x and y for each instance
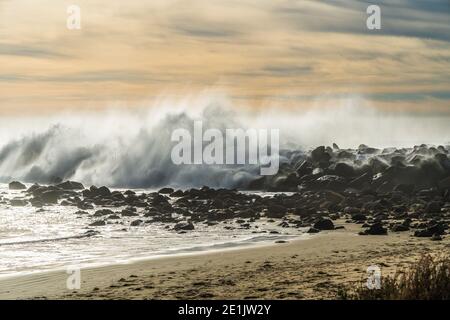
(312, 268)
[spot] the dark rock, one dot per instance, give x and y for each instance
(436, 237)
(375, 229)
(166, 191)
(50, 197)
(324, 224)
(359, 217)
(184, 226)
(98, 223)
(433, 207)
(399, 228)
(70, 185)
(16, 185)
(344, 170)
(18, 202)
(136, 223)
(276, 211)
(313, 230)
(320, 155)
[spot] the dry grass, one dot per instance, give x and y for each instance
(428, 279)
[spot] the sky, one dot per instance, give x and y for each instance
(260, 53)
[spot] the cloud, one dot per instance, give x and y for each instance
(410, 18)
(9, 49)
(90, 76)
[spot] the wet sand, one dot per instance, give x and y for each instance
(314, 268)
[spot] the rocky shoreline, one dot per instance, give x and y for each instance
(383, 190)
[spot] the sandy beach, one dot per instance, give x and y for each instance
(312, 268)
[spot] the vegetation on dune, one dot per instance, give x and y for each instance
(428, 279)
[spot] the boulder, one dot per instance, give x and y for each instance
(399, 228)
(50, 197)
(166, 191)
(18, 202)
(313, 230)
(184, 226)
(16, 185)
(70, 185)
(375, 229)
(319, 155)
(275, 211)
(98, 223)
(136, 223)
(324, 224)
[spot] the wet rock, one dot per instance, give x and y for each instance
(344, 170)
(16, 185)
(166, 191)
(184, 226)
(276, 211)
(324, 224)
(136, 223)
(98, 223)
(103, 212)
(319, 155)
(178, 193)
(18, 202)
(50, 197)
(70, 185)
(313, 230)
(128, 213)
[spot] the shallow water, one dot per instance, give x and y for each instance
(32, 241)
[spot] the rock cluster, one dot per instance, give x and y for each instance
(390, 190)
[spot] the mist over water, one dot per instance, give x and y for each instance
(132, 147)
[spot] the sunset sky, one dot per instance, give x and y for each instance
(259, 52)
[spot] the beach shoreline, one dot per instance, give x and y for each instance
(311, 268)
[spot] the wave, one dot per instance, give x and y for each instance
(132, 147)
(88, 234)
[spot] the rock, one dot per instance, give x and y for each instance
(94, 191)
(375, 229)
(399, 228)
(324, 224)
(128, 213)
(344, 170)
(177, 194)
(359, 217)
(98, 223)
(436, 237)
(16, 185)
(50, 197)
(166, 191)
(103, 212)
(184, 226)
(444, 183)
(18, 202)
(103, 191)
(437, 229)
(70, 185)
(319, 155)
(313, 230)
(275, 211)
(136, 223)
(304, 168)
(433, 207)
